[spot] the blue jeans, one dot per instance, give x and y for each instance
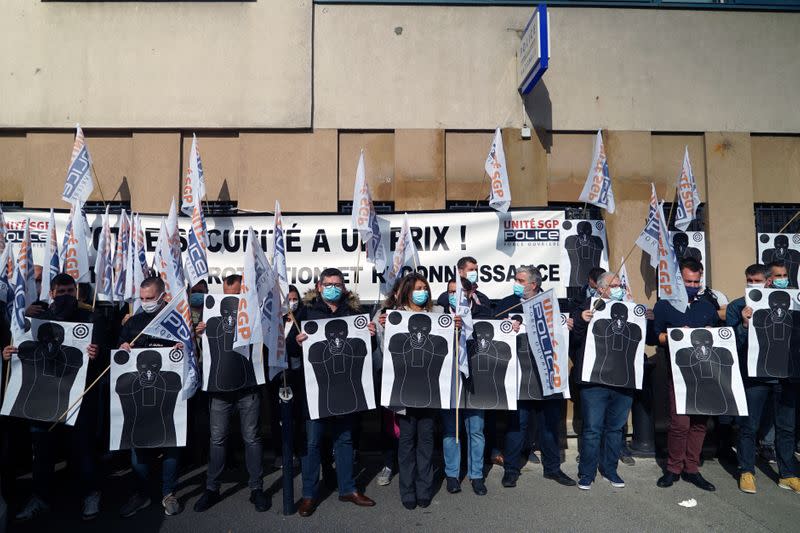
(548, 416)
(221, 405)
(784, 402)
(140, 462)
(341, 427)
(473, 423)
(605, 410)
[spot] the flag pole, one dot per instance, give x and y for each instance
(358, 261)
(8, 376)
(78, 399)
(483, 180)
(790, 221)
(672, 206)
(458, 380)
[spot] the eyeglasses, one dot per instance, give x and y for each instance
(337, 285)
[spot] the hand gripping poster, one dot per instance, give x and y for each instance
(614, 350)
(492, 359)
(529, 384)
(705, 372)
(147, 407)
(773, 339)
(48, 373)
(583, 247)
(226, 369)
(417, 360)
(337, 361)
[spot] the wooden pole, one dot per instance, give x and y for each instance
(790, 221)
(672, 206)
(8, 376)
(458, 381)
(483, 180)
(78, 399)
(358, 262)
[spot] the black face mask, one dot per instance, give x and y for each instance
(64, 305)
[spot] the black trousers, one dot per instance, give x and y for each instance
(415, 454)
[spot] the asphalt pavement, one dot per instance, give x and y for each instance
(536, 504)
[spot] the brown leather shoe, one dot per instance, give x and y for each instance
(358, 499)
(307, 507)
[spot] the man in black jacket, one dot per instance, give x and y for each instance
(84, 454)
(330, 299)
(468, 269)
(528, 283)
(151, 295)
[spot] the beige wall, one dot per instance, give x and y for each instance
(637, 69)
(156, 64)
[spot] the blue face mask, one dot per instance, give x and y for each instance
(692, 292)
(452, 300)
(419, 297)
(472, 276)
(593, 292)
(331, 293)
(617, 293)
(519, 290)
(196, 299)
(780, 283)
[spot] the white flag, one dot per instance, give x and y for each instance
(548, 341)
(688, 197)
(103, 270)
(121, 256)
(165, 263)
(465, 312)
(51, 266)
(597, 189)
(496, 169)
(140, 249)
(175, 243)
(7, 265)
(196, 252)
(365, 220)
(624, 280)
(248, 323)
(76, 249)
(18, 304)
(648, 238)
(670, 282)
(194, 186)
(79, 183)
(279, 250)
(405, 254)
(174, 322)
(25, 262)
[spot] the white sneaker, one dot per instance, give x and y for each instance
(91, 506)
(34, 507)
(384, 476)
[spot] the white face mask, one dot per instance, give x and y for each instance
(293, 305)
(153, 305)
(755, 285)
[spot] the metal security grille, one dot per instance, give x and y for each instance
(770, 218)
(382, 208)
(464, 206)
(573, 211)
(698, 224)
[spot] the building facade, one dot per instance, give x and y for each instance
(283, 94)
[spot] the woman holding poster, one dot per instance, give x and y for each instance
(415, 447)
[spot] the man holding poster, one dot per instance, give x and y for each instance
(83, 458)
(330, 299)
(605, 406)
(527, 284)
(686, 432)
